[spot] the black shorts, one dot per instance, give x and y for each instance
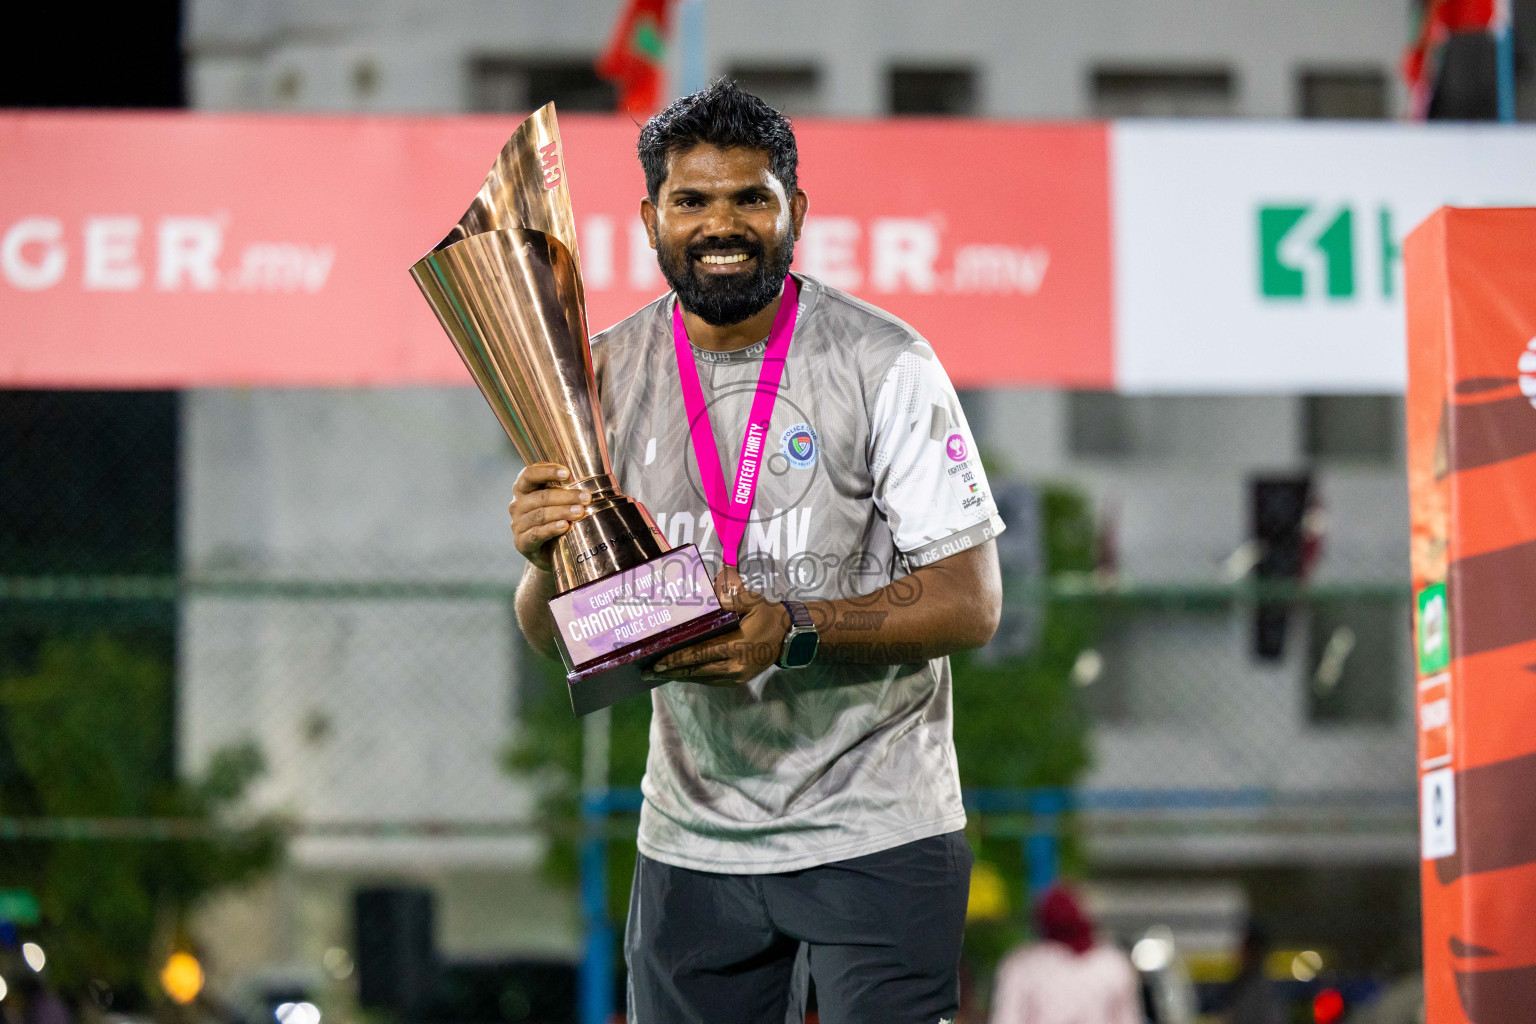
(880, 935)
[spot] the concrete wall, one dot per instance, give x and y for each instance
(375, 714)
(368, 710)
(1034, 58)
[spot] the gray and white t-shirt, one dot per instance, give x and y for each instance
(872, 472)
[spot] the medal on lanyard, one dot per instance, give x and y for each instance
(730, 508)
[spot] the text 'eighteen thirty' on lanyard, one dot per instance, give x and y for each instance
(731, 508)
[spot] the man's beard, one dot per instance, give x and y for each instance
(723, 299)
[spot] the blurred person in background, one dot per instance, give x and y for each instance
(1252, 999)
(1066, 977)
(30, 1001)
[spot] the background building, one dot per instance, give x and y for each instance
(857, 58)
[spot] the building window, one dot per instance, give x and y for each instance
(1168, 92)
(1342, 94)
(1355, 662)
(933, 91)
(1107, 425)
(1099, 425)
(788, 88)
(1355, 428)
(514, 85)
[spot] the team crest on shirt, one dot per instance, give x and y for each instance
(955, 447)
(799, 445)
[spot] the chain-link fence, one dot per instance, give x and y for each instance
(292, 614)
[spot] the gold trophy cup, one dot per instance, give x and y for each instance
(506, 286)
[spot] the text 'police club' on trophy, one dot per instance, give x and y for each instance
(506, 286)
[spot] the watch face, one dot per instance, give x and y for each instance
(800, 650)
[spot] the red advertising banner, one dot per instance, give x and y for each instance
(183, 250)
(1472, 492)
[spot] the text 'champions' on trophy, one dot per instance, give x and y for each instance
(506, 286)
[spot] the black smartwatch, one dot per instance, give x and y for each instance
(800, 642)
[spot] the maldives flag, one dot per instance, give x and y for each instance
(635, 60)
(1438, 19)
(1473, 15)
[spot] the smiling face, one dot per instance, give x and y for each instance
(724, 231)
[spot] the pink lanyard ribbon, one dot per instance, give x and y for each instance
(730, 510)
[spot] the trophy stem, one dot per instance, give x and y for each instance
(602, 487)
(616, 534)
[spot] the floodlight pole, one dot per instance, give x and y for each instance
(1505, 42)
(1042, 846)
(595, 981)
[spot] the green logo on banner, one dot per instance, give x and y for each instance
(18, 906)
(1335, 242)
(1292, 235)
(1434, 630)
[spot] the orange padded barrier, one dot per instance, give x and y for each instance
(1471, 278)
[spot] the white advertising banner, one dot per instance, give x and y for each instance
(1268, 257)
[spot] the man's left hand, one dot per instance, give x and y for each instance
(735, 657)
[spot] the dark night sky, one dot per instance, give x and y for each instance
(92, 55)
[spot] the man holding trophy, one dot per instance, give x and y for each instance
(801, 790)
(801, 785)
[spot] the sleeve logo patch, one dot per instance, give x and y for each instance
(799, 445)
(954, 447)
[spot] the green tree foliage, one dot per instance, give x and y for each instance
(1020, 723)
(87, 734)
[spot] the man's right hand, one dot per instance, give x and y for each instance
(543, 508)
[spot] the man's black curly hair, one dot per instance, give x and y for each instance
(722, 115)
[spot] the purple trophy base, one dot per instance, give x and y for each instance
(611, 630)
